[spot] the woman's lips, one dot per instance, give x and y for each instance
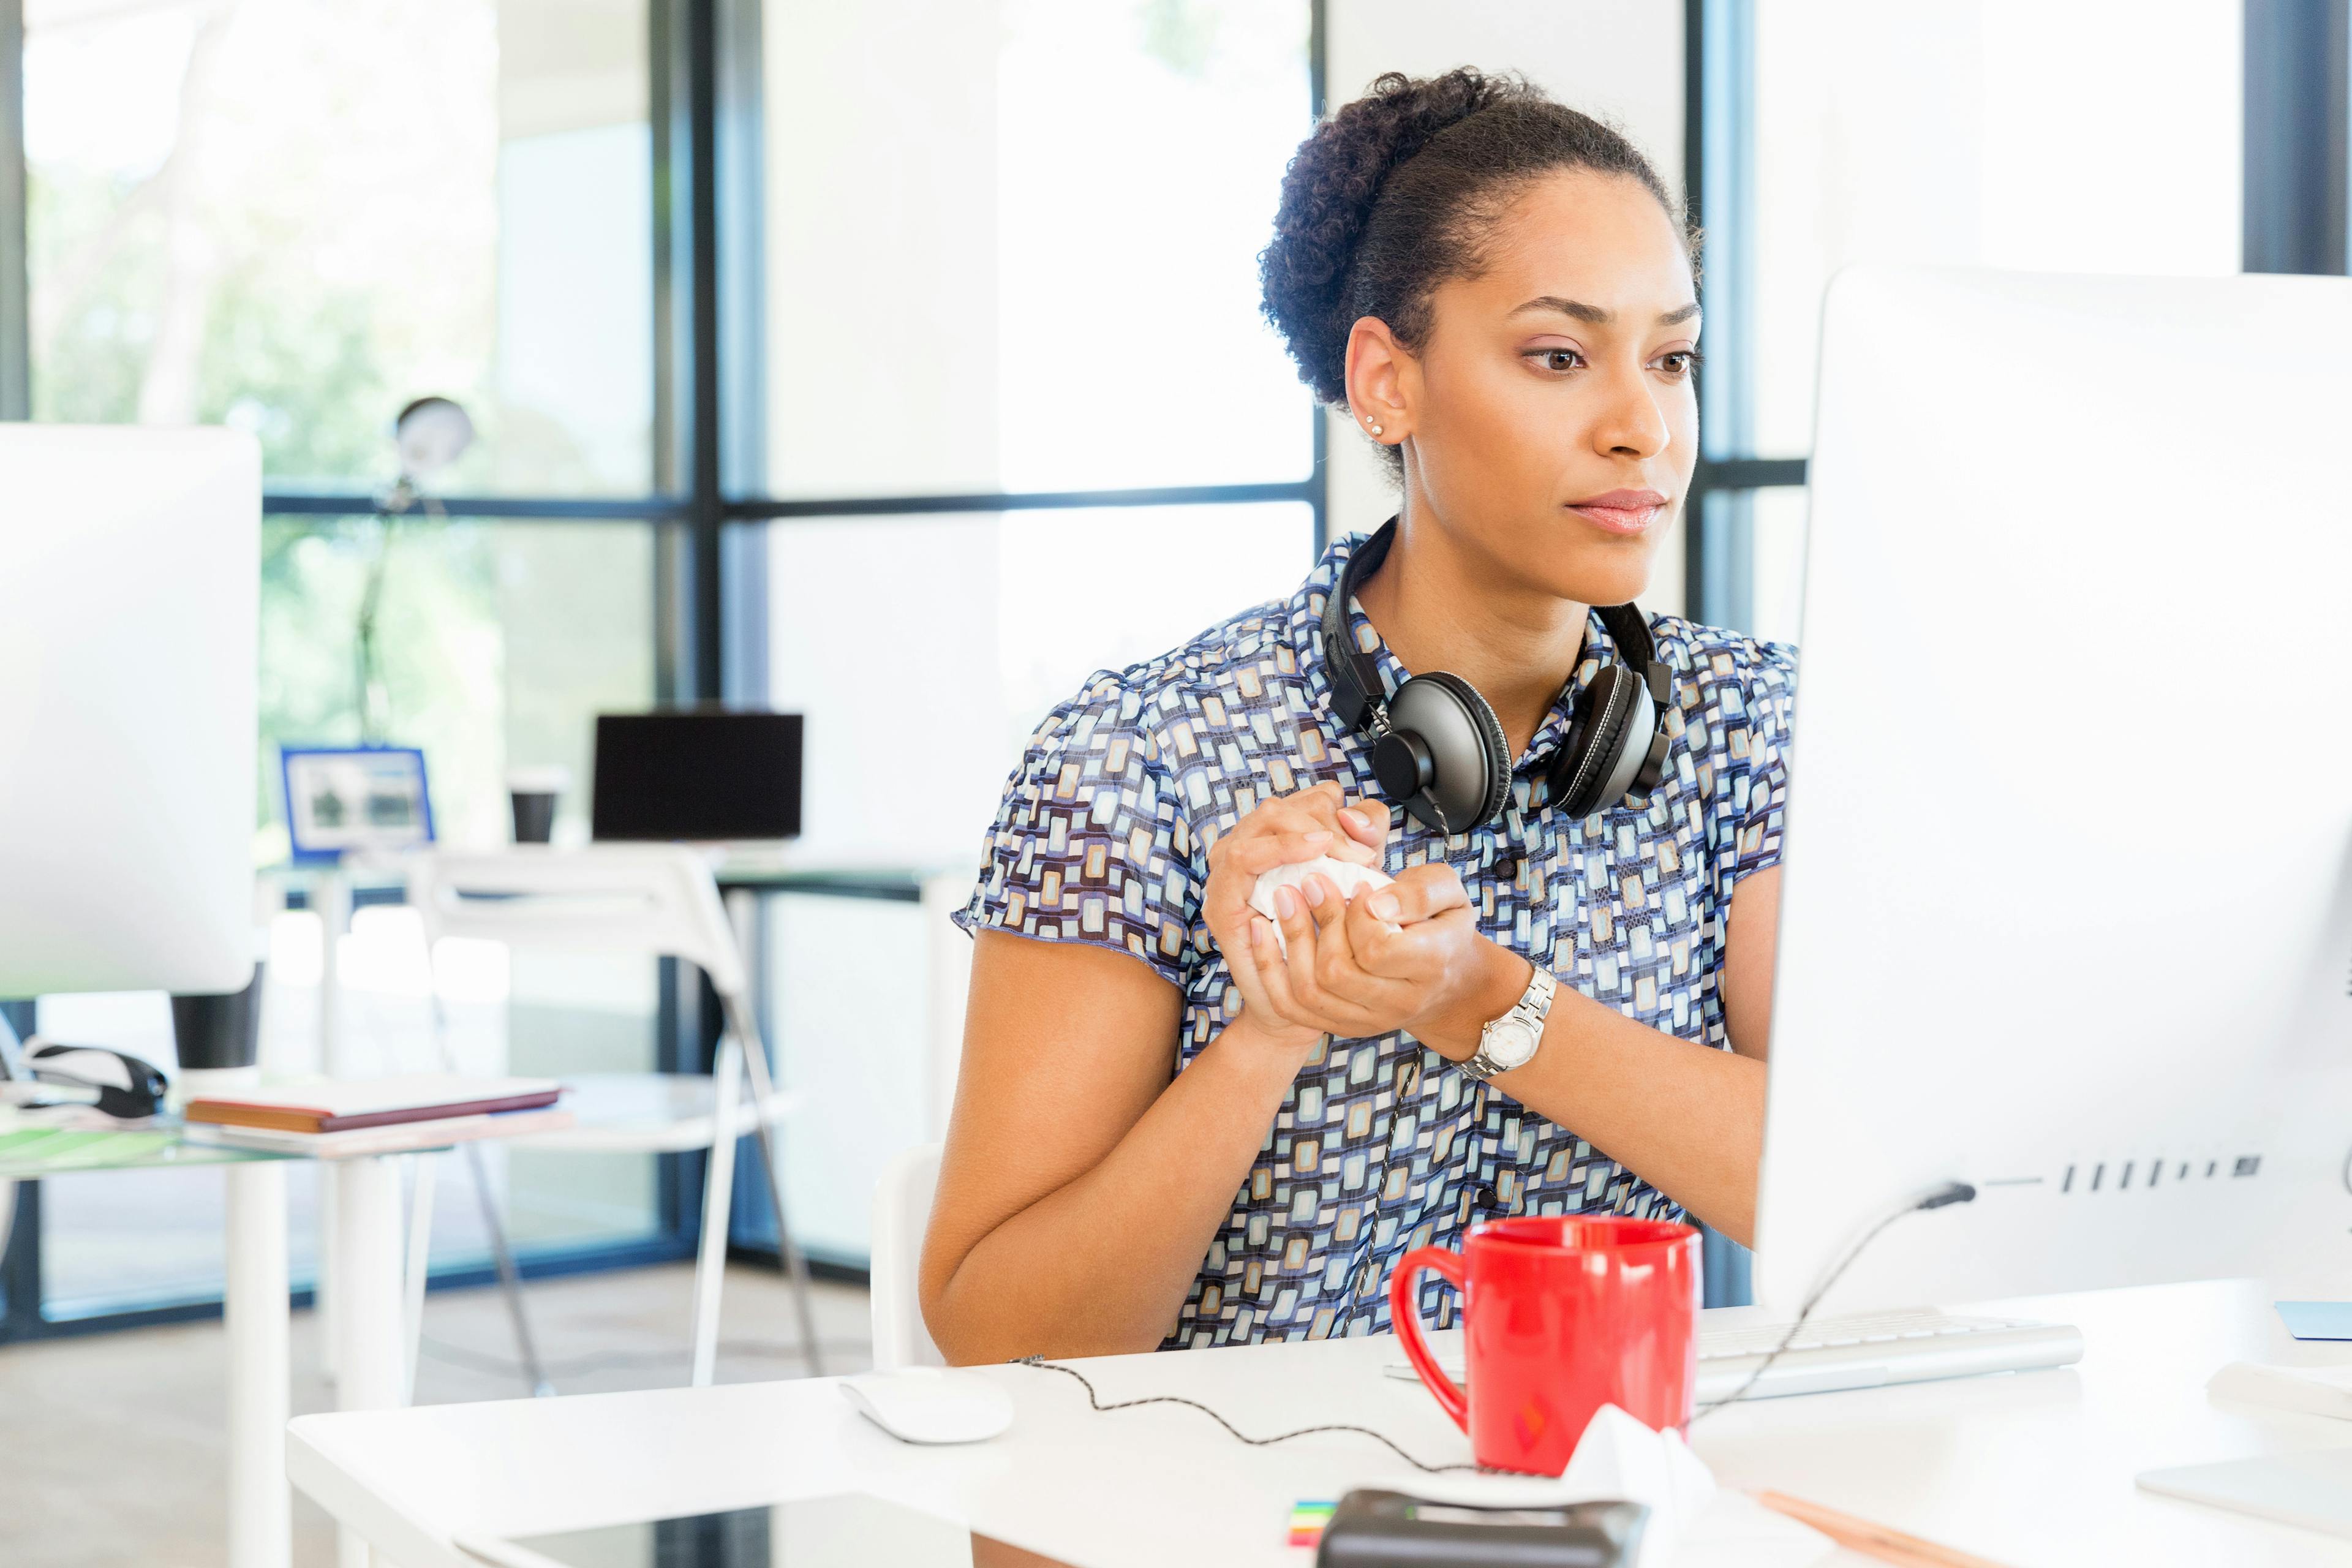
(1621, 511)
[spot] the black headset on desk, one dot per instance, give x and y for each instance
(1438, 749)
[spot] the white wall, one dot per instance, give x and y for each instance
(1621, 60)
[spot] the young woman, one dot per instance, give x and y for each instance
(1170, 1129)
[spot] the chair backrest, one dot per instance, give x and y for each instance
(902, 1212)
(656, 898)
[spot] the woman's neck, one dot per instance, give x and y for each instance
(1440, 606)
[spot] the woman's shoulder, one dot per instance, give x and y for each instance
(1227, 666)
(1727, 670)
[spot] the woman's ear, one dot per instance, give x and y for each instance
(1379, 371)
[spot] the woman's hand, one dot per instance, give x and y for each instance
(1408, 956)
(1282, 831)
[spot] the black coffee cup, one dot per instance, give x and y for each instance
(222, 1031)
(533, 793)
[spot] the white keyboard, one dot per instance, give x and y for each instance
(1916, 1345)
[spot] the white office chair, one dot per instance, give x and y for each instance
(902, 1209)
(648, 899)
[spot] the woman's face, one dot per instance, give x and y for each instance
(1553, 420)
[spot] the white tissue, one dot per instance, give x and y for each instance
(1346, 875)
(1618, 1460)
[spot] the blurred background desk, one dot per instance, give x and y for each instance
(884, 1029)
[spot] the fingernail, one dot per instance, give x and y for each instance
(1385, 907)
(1287, 901)
(1355, 818)
(1316, 837)
(1315, 891)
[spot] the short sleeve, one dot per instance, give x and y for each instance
(1761, 789)
(1088, 844)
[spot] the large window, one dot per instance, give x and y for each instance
(1024, 422)
(294, 216)
(855, 360)
(1012, 244)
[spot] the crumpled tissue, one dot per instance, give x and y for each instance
(1346, 875)
(1693, 1523)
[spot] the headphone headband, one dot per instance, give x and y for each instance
(1604, 755)
(1356, 679)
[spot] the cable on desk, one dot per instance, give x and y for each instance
(1942, 1197)
(1038, 1360)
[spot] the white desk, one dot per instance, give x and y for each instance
(2030, 1470)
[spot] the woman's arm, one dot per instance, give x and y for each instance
(1081, 1187)
(1688, 1118)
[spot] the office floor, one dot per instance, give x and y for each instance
(112, 1453)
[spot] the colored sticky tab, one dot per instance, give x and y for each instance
(2318, 1319)
(1306, 1522)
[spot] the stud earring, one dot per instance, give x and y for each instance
(1376, 429)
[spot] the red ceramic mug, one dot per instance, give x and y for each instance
(1560, 1316)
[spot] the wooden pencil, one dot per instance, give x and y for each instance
(1871, 1539)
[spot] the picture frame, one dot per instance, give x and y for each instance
(341, 799)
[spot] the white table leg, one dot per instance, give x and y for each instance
(253, 1307)
(330, 901)
(718, 1203)
(420, 1260)
(368, 1352)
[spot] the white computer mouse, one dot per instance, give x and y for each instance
(931, 1403)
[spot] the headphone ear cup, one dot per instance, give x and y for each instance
(1494, 745)
(1470, 768)
(1604, 713)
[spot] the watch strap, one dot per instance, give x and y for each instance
(1531, 1009)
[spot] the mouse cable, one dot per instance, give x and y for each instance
(1950, 1193)
(1093, 1399)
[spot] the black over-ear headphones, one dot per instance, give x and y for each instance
(1438, 749)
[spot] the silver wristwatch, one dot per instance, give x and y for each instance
(1510, 1041)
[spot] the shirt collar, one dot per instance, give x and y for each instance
(1306, 620)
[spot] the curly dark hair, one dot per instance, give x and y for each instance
(1394, 194)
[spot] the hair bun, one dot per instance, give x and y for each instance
(1327, 194)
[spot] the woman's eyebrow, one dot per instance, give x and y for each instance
(1594, 315)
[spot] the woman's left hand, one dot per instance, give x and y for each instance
(1407, 956)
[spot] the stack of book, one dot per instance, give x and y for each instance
(377, 1115)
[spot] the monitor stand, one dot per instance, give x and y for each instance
(2313, 1489)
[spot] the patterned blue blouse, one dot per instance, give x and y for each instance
(1380, 1144)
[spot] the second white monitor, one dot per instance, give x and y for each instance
(130, 587)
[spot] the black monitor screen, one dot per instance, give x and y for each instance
(698, 776)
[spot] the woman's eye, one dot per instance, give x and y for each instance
(1556, 359)
(1679, 362)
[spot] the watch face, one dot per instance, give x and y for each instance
(1510, 1043)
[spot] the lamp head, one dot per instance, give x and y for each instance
(430, 434)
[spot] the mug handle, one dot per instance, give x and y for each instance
(1404, 1315)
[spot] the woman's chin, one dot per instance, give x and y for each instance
(1604, 582)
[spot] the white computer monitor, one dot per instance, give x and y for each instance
(130, 586)
(2067, 906)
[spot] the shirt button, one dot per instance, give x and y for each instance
(1483, 1198)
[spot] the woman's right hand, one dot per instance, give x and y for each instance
(1281, 831)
